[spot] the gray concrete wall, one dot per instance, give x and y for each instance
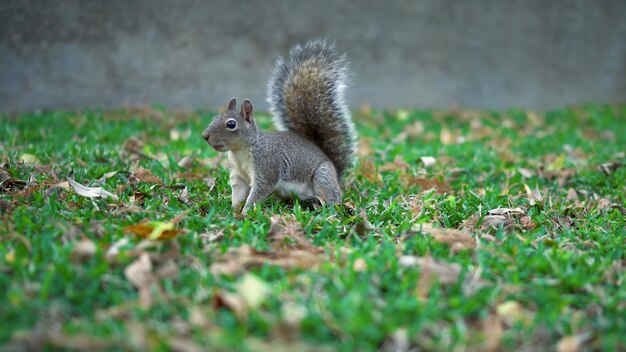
(475, 54)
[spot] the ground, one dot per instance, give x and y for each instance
(460, 230)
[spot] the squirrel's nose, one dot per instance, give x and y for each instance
(205, 135)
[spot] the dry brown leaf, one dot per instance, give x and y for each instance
(506, 211)
(446, 273)
(5, 205)
(398, 341)
(139, 273)
(209, 181)
(286, 233)
(186, 162)
(57, 186)
(365, 148)
(359, 265)
(184, 344)
(456, 239)
(154, 230)
(176, 135)
(290, 250)
(145, 175)
(534, 196)
(211, 237)
(440, 186)
(609, 168)
(413, 130)
(250, 293)
(90, 192)
(29, 159)
(363, 226)
(183, 197)
(133, 144)
(398, 164)
(512, 312)
(493, 331)
(367, 169)
(83, 250)
(428, 161)
(526, 173)
(446, 137)
(573, 343)
(572, 195)
(252, 290)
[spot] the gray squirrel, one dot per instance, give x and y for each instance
(317, 138)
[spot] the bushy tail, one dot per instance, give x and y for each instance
(305, 93)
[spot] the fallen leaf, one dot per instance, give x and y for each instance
(176, 135)
(534, 196)
(252, 290)
(512, 312)
(154, 230)
(286, 233)
(293, 313)
(572, 195)
(65, 186)
(114, 250)
(209, 181)
(232, 301)
(428, 161)
(526, 173)
(359, 265)
(290, 249)
(83, 250)
(139, 273)
(506, 211)
(397, 164)
(211, 237)
(90, 192)
(609, 168)
(446, 273)
(183, 197)
(5, 205)
(456, 239)
(185, 162)
(29, 159)
(493, 331)
(416, 129)
(446, 137)
(573, 343)
(397, 341)
(439, 185)
(363, 226)
(367, 169)
(145, 175)
(183, 344)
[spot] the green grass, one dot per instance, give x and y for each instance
(553, 275)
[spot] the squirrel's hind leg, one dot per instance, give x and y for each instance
(325, 184)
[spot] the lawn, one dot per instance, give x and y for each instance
(460, 230)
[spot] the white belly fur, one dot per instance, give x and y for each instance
(287, 188)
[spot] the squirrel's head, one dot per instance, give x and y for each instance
(231, 130)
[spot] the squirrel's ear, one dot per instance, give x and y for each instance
(246, 110)
(232, 105)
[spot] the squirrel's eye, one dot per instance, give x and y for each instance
(231, 124)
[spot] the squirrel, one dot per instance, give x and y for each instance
(316, 142)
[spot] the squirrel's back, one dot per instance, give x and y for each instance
(305, 93)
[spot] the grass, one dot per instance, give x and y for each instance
(370, 274)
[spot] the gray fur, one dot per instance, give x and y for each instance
(315, 107)
(317, 141)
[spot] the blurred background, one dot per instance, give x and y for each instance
(417, 54)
